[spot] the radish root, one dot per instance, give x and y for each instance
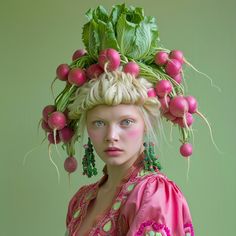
(212, 139)
(208, 77)
(50, 158)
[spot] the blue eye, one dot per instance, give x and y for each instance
(98, 122)
(128, 122)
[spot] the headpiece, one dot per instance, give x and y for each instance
(125, 40)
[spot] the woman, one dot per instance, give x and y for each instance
(116, 92)
(129, 199)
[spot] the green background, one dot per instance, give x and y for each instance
(37, 36)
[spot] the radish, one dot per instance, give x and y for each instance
(70, 164)
(93, 71)
(192, 103)
(53, 140)
(77, 76)
(47, 111)
(185, 121)
(132, 68)
(161, 58)
(193, 108)
(178, 55)
(163, 88)
(66, 134)
(186, 149)
(173, 67)
(62, 72)
(109, 59)
(178, 106)
(78, 53)
(57, 120)
(169, 116)
(177, 78)
(151, 92)
(45, 126)
(164, 104)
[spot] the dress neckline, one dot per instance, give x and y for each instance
(131, 172)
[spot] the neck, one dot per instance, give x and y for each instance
(117, 173)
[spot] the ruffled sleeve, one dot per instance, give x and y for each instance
(157, 206)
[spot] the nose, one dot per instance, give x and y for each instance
(111, 134)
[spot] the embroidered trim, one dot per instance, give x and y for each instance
(155, 226)
(188, 229)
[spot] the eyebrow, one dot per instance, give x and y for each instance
(121, 117)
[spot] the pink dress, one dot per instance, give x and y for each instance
(146, 203)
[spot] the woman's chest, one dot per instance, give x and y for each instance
(96, 209)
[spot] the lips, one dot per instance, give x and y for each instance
(112, 149)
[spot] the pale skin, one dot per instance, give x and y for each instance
(120, 126)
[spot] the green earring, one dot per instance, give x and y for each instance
(88, 162)
(150, 160)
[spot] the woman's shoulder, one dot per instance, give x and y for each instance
(156, 203)
(148, 182)
(151, 189)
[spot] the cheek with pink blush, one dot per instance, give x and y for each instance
(135, 133)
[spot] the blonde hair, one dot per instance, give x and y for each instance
(114, 88)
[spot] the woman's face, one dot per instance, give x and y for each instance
(120, 126)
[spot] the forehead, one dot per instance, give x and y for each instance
(114, 112)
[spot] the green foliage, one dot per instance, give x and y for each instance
(126, 29)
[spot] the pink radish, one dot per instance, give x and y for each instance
(77, 76)
(66, 134)
(173, 67)
(178, 106)
(131, 68)
(193, 108)
(70, 164)
(93, 71)
(45, 126)
(57, 120)
(47, 111)
(169, 116)
(186, 149)
(151, 92)
(52, 140)
(163, 88)
(62, 72)
(192, 103)
(185, 121)
(78, 53)
(164, 104)
(161, 58)
(177, 78)
(178, 55)
(109, 59)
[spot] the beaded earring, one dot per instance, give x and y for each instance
(150, 160)
(88, 162)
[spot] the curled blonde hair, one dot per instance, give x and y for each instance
(114, 88)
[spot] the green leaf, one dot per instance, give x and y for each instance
(91, 39)
(146, 36)
(115, 13)
(89, 14)
(100, 14)
(125, 32)
(107, 36)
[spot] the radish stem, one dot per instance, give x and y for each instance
(53, 95)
